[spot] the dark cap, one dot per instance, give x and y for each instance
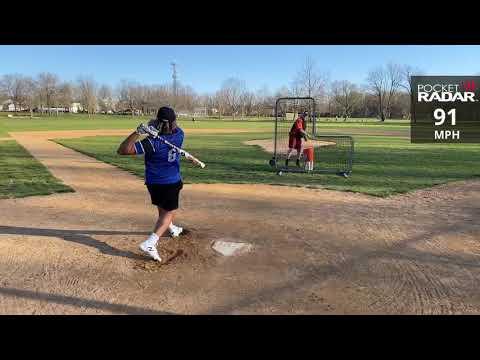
(166, 113)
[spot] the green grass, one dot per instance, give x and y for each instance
(83, 122)
(3, 130)
(22, 175)
(384, 165)
(385, 161)
(68, 122)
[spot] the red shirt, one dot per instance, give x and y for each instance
(298, 125)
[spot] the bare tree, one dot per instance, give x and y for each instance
(7, 88)
(232, 90)
(88, 94)
(400, 107)
(265, 102)
(151, 99)
(282, 92)
(297, 89)
(220, 102)
(138, 95)
(105, 98)
(15, 87)
(186, 98)
(65, 94)
(248, 103)
(31, 94)
(104, 92)
(309, 82)
(387, 95)
(407, 72)
(394, 73)
(378, 84)
(206, 101)
(346, 96)
(127, 96)
(48, 89)
(160, 96)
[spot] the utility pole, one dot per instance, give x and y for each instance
(175, 85)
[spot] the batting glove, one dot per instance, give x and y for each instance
(141, 129)
(152, 131)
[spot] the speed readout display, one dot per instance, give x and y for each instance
(445, 109)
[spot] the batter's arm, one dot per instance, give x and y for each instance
(127, 147)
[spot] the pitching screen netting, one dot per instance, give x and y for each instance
(334, 154)
(331, 153)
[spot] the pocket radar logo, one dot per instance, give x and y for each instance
(463, 92)
(445, 109)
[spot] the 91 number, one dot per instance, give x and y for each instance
(439, 114)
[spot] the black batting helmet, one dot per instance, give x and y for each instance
(166, 120)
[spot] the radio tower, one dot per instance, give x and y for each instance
(175, 85)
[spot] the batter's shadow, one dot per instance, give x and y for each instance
(79, 302)
(78, 236)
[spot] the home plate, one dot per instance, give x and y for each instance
(229, 248)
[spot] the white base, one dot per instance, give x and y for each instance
(229, 248)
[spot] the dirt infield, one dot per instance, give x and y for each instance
(268, 145)
(316, 251)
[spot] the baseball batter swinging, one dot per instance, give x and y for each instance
(162, 173)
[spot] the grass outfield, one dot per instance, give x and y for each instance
(3, 130)
(383, 165)
(83, 122)
(385, 161)
(22, 175)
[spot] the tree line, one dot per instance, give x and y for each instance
(385, 94)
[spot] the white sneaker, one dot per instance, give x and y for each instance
(175, 231)
(150, 250)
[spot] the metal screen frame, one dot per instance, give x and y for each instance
(280, 169)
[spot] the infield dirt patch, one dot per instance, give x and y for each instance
(268, 145)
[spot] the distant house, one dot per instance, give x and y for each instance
(52, 109)
(8, 105)
(200, 111)
(76, 107)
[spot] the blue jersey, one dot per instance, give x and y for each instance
(162, 163)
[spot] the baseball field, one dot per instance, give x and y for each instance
(399, 236)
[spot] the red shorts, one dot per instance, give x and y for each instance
(308, 152)
(295, 142)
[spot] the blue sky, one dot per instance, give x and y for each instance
(205, 67)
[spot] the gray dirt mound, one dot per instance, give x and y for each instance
(190, 248)
(268, 145)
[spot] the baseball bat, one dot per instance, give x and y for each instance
(182, 152)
